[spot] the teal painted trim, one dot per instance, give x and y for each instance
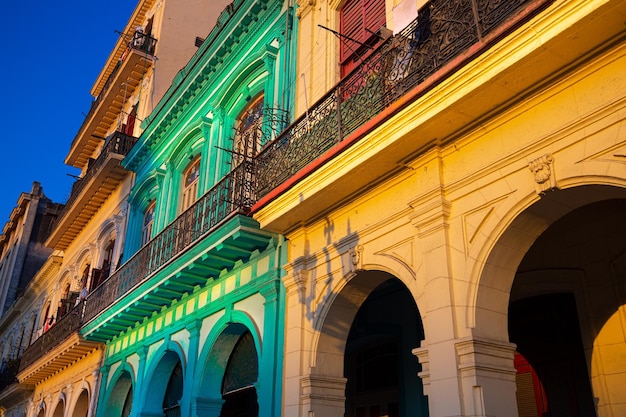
(202, 70)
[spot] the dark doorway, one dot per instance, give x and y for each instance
(242, 372)
(380, 368)
(547, 334)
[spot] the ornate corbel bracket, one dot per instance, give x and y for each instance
(542, 169)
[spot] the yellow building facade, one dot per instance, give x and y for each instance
(485, 203)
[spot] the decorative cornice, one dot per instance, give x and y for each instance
(207, 65)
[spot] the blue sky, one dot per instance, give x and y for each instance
(52, 53)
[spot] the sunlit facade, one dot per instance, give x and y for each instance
(88, 236)
(354, 208)
(452, 194)
(193, 318)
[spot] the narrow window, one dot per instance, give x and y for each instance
(148, 220)
(108, 260)
(190, 184)
(249, 133)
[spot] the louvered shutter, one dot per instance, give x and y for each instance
(356, 17)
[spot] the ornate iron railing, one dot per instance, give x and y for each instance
(139, 41)
(257, 127)
(443, 31)
(116, 143)
(233, 194)
(59, 332)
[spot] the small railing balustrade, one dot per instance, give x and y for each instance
(234, 194)
(116, 143)
(57, 333)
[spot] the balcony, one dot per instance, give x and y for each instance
(213, 234)
(57, 348)
(89, 192)
(445, 37)
(105, 110)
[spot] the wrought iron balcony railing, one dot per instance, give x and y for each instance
(117, 143)
(139, 42)
(234, 194)
(444, 31)
(58, 333)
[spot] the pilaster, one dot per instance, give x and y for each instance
(322, 396)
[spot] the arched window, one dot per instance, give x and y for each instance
(190, 184)
(249, 131)
(148, 221)
(108, 259)
(360, 20)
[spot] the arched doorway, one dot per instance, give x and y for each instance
(165, 387)
(366, 342)
(120, 400)
(241, 375)
(564, 310)
(59, 411)
(230, 374)
(173, 392)
(379, 366)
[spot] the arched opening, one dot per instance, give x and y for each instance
(59, 411)
(191, 179)
(120, 400)
(564, 314)
(238, 386)
(107, 260)
(380, 369)
(173, 392)
(81, 409)
(365, 351)
(165, 386)
(249, 135)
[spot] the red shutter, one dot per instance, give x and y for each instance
(351, 17)
(356, 16)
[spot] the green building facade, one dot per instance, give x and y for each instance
(193, 320)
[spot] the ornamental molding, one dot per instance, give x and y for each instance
(542, 169)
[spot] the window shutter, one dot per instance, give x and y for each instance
(351, 17)
(359, 19)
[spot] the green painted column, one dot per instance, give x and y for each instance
(188, 405)
(270, 362)
(102, 391)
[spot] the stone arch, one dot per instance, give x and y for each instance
(247, 82)
(59, 406)
(337, 341)
(121, 392)
(489, 295)
(158, 375)
(80, 406)
(336, 316)
(188, 145)
(217, 348)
